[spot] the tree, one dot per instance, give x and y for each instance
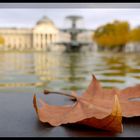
(134, 35)
(1, 40)
(112, 35)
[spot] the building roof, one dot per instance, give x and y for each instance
(45, 20)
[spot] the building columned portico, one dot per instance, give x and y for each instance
(44, 34)
(39, 37)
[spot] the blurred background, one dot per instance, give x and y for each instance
(59, 49)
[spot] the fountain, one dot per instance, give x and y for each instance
(74, 44)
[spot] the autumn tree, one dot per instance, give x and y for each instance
(134, 35)
(1, 40)
(112, 35)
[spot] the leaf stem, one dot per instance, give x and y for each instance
(60, 93)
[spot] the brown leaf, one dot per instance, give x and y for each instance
(92, 109)
(129, 108)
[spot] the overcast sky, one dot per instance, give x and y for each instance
(92, 17)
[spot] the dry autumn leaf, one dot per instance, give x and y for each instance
(96, 107)
(91, 109)
(129, 108)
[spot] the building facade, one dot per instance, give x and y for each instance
(42, 36)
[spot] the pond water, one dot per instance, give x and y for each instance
(36, 71)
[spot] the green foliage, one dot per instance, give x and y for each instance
(112, 34)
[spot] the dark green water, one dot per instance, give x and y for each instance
(35, 71)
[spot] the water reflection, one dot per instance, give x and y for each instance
(68, 71)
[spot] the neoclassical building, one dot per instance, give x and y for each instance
(41, 37)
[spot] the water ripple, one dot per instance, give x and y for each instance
(68, 71)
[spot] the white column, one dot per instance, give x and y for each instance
(51, 38)
(38, 41)
(48, 38)
(34, 41)
(43, 42)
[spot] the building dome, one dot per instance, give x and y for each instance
(44, 20)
